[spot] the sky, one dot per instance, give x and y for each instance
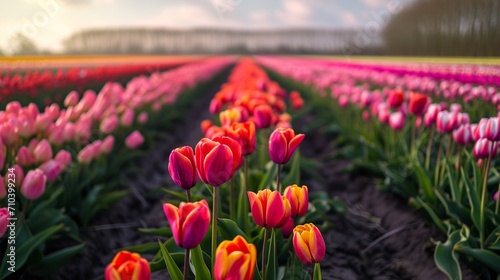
(49, 22)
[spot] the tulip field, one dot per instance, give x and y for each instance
(264, 167)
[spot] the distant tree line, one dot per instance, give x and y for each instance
(206, 40)
(445, 27)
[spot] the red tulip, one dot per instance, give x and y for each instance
(128, 266)
(217, 160)
(418, 103)
(395, 98)
(282, 144)
(189, 222)
(182, 167)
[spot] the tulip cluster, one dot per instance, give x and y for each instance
(426, 120)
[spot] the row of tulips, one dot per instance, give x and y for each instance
(60, 165)
(33, 83)
(474, 87)
(250, 208)
(430, 153)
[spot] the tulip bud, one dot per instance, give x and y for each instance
(33, 185)
(418, 103)
(492, 131)
(189, 222)
(18, 175)
(109, 124)
(24, 157)
(235, 259)
(86, 155)
(263, 116)
(107, 144)
(71, 99)
(446, 122)
(142, 118)
(298, 198)
(127, 265)
(244, 132)
(495, 197)
(8, 135)
(127, 118)
(308, 244)
(205, 125)
(397, 121)
(43, 151)
(269, 209)
(134, 140)
(217, 160)
(282, 144)
(484, 148)
(395, 98)
(64, 158)
(287, 229)
(182, 167)
(463, 135)
(431, 114)
(4, 220)
(42, 122)
(51, 169)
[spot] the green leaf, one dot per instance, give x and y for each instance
(269, 177)
(293, 176)
(173, 270)
(201, 270)
(486, 257)
(88, 206)
(424, 182)
(52, 262)
(164, 231)
(27, 247)
(474, 202)
(271, 267)
(431, 213)
(446, 258)
(493, 240)
(228, 229)
(145, 248)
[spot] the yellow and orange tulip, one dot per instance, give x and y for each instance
(235, 260)
(308, 243)
(299, 199)
(128, 266)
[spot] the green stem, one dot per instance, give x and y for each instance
(317, 272)
(438, 165)
(483, 201)
(188, 195)
(413, 135)
(497, 206)
(246, 224)
(429, 147)
(278, 178)
(231, 200)
(448, 150)
(215, 207)
(186, 264)
(264, 254)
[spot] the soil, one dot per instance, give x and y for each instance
(353, 251)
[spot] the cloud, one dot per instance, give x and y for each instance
(295, 12)
(349, 18)
(259, 16)
(374, 3)
(188, 16)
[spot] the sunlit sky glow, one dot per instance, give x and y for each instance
(48, 22)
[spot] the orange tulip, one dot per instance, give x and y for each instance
(299, 199)
(128, 266)
(269, 208)
(308, 243)
(235, 259)
(245, 132)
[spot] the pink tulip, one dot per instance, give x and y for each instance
(86, 155)
(42, 122)
(484, 148)
(56, 135)
(463, 135)
(282, 144)
(64, 158)
(4, 220)
(13, 107)
(492, 131)
(24, 157)
(479, 130)
(262, 116)
(142, 118)
(182, 167)
(43, 151)
(18, 175)
(397, 121)
(109, 124)
(127, 119)
(431, 114)
(189, 222)
(51, 169)
(8, 134)
(33, 185)
(134, 140)
(71, 99)
(495, 196)
(53, 111)
(446, 122)
(107, 144)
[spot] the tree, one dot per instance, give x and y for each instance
(22, 45)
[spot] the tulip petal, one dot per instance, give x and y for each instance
(275, 210)
(294, 143)
(195, 227)
(278, 148)
(218, 165)
(317, 245)
(172, 214)
(257, 209)
(301, 249)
